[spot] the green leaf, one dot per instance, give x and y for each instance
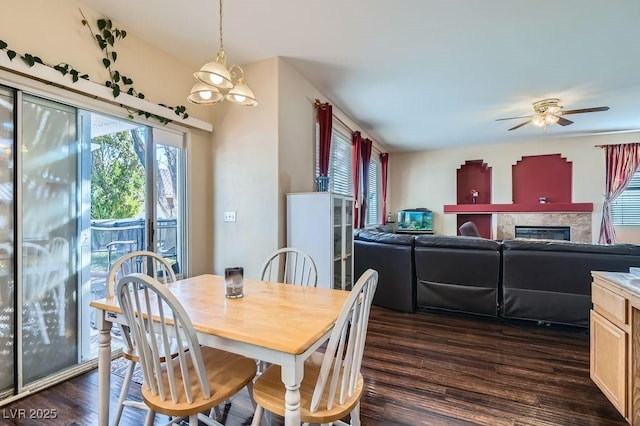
(147, 115)
(74, 77)
(116, 91)
(130, 91)
(116, 76)
(62, 69)
(37, 59)
(110, 40)
(123, 33)
(107, 83)
(114, 56)
(101, 42)
(141, 95)
(11, 54)
(127, 80)
(106, 62)
(85, 76)
(28, 59)
(185, 116)
(3, 45)
(130, 116)
(102, 24)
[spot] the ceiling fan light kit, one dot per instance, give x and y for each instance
(549, 112)
(217, 82)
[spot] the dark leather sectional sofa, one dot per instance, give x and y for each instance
(540, 280)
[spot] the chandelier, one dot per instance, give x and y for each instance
(217, 82)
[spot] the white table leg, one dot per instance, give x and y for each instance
(292, 374)
(104, 368)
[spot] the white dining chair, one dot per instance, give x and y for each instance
(148, 263)
(331, 387)
(291, 266)
(197, 379)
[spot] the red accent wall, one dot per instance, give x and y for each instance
(482, 221)
(542, 176)
(473, 174)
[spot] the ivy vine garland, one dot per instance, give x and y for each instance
(106, 38)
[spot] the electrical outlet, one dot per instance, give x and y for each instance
(229, 216)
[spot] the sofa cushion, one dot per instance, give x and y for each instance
(384, 237)
(570, 246)
(460, 242)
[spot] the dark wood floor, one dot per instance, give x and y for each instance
(424, 369)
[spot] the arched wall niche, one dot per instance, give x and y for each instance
(473, 175)
(542, 176)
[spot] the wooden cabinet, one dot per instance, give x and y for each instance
(616, 300)
(321, 225)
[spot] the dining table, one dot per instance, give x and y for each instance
(278, 323)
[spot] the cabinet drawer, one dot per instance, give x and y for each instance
(609, 304)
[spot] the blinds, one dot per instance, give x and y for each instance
(340, 176)
(625, 210)
(373, 209)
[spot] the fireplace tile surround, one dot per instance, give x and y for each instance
(580, 223)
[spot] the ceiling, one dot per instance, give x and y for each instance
(424, 74)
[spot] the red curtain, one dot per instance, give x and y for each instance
(365, 152)
(356, 140)
(325, 120)
(621, 163)
(384, 163)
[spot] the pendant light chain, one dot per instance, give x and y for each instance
(216, 81)
(220, 27)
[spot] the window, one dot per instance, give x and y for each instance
(340, 174)
(373, 202)
(625, 210)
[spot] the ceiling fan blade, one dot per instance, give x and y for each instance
(563, 121)
(580, 111)
(513, 118)
(521, 124)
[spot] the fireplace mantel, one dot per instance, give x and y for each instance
(520, 208)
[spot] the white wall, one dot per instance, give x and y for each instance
(53, 31)
(428, 179)
(245, 174)
(266, 152)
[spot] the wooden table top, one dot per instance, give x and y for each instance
(283, 317)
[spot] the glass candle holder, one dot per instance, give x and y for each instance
(233, 281)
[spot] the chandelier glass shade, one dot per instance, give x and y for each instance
(547, 116)
(217, 82)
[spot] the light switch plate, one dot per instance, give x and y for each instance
(229, 216)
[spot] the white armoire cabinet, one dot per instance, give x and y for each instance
(321, 225)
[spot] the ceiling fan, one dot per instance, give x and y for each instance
(548, 112)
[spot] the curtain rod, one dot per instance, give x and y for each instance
(317, 103)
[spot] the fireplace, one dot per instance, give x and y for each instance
(544, 232)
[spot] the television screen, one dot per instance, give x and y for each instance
(415, 220)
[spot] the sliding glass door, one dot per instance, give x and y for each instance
(7, 288)
(48, 225)
(78, 189)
